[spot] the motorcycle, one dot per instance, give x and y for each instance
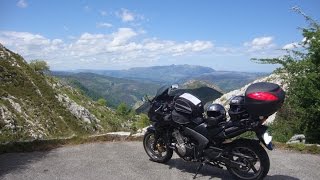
(181, 124)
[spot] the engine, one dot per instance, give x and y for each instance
(184, 148)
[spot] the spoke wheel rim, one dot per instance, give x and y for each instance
(159, 152)
(250, 167)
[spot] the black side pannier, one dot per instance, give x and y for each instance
(263, 99)
(186, 108)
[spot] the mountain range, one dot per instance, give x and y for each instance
(129, 86)
(225, 80)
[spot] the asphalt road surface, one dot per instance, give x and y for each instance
(127, 160)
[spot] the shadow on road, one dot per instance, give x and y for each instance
(191, 167)
(10, 162)
(280, 177)
(213, 172)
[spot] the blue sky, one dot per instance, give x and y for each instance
(121, 34)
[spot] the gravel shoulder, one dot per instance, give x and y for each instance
(127, 160)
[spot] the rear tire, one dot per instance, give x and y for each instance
(255, 167)
(162, 153)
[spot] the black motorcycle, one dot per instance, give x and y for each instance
(206, 135)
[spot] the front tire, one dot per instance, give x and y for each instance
(161, 153)
(253, 158)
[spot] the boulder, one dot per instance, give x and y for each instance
(298, 138)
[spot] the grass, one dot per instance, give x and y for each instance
(46, 145)
(299, 147)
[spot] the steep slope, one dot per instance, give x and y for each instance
(33, 106)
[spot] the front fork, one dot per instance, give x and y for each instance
(264, 137)
(163, 134)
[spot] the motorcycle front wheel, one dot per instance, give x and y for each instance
(157, 151)
(251, 159)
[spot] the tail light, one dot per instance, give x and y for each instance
(263, 96)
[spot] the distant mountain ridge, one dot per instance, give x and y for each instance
(156, 74)
(225, 80)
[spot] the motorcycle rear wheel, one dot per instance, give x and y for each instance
(254, 159)
(161, 153)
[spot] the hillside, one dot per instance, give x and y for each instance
(114, 90)
(34, 106)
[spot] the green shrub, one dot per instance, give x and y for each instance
(142, 122)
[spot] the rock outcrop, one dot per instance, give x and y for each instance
(78, 111)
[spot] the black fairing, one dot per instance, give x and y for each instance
(264, 108)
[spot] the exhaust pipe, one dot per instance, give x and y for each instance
(232, 132)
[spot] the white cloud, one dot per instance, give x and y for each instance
(104, 25)
(22, 4)
(32, 46)
(121, 48)
(103, 13)
(126, 15)
(291, 46)
(122, 36)
(260, 43)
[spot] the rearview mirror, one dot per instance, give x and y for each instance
(174, 86)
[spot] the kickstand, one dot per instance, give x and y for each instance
(198, 169)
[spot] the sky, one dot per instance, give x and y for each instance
(121, 34)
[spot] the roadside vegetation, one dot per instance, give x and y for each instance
(300, 68)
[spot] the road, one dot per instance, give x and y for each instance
(127, 160)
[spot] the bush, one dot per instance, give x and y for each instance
(301, 69)
(40, 66)
(142, 122)
(102, 102)
(123, 109)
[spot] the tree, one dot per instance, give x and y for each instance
(40, 66)
(102, 102)
(123, 109)
(301, 69)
